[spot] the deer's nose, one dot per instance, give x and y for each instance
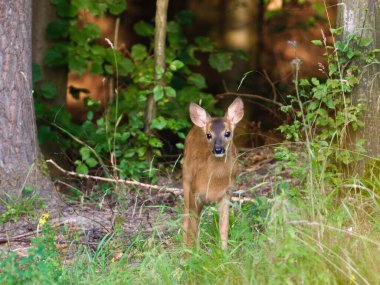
(218, 149)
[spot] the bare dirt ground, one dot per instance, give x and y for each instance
(143, 212)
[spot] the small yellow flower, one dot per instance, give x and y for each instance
(44, 218)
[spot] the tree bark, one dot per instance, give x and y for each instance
(242, 21)
(159, 56)
(19, 151)
(362, 17)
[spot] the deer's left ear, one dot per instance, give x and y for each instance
(235, 111)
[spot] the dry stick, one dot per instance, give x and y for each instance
(254, 96)
(2, 241)
(172, 190)
(271, 84)
(175, 191)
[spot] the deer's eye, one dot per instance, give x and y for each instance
(227, 134)
(209, 136)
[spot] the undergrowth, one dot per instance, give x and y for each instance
(316, 239)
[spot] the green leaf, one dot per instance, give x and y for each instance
(56, 55)
(98, 50)
(97, 8)
(90, 115)
(176, 64)
(139, 52)
(125, 66)
(170, 92)
(181, 135)
(197, 80)
(64, 8)
(48, 90)
(185, 18)
(116, 7)
(315, 81)
(158, 93)
(204, 44)
(160, 71)
(81, 168)
(179, 145)
(159, 123)
(84, 35)
(57, 30)
(155, 142)
(91, 162)
(241, 54)
(77, 64)
(85, 152)
(97, 66)
(313, 105)
(316, 42)
(144, 29)
(220, 61)
(350, 54)
(365, 42)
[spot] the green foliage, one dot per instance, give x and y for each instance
(323, 109)
(42, 265)
(48, 114)
(117, 135)
(16, 207)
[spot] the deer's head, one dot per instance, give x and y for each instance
(218, 131)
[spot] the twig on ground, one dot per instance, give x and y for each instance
(172, 190)
(27, 240)
(175, 191)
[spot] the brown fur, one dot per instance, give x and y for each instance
(207, 178)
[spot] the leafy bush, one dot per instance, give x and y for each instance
(117, 137)
(323, 111)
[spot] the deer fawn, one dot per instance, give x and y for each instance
(209, 167)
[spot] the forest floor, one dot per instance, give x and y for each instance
(143, 212)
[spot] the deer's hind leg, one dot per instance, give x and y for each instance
(224, 210)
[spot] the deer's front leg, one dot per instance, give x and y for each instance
(224, 208)
(192, 211)
(186, 215)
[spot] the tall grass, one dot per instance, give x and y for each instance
(337, 241)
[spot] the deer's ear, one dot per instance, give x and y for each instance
(235, 111)
(198, 115)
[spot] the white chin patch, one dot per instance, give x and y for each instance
(219, 155)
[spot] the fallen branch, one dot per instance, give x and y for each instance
(171, 190)
(2, 241)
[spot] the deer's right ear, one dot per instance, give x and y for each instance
(198, 115)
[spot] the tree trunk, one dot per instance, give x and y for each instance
(159, 56)
(362, 17)
(19, 151)
(242, 21)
